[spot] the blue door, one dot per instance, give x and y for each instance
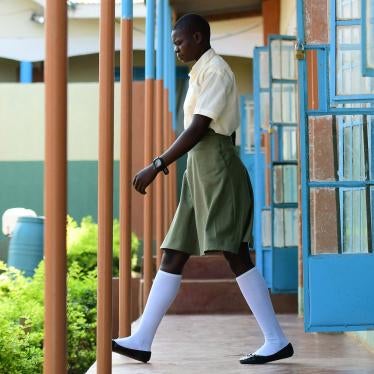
(336, 101)
(283, 150)
(247, 133)
(262, 214)
(276, 224)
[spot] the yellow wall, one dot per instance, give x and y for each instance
(288, 17)
(22, 113)
(242, 68)
(22, 121)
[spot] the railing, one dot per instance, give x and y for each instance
(55, 342)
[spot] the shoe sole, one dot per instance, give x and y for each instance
(285, 352)
(142, 356)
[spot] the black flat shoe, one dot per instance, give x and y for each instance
(253, 359)
(143, 356)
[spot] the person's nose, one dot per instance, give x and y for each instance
(176, 49)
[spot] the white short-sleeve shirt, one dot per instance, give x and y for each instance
(212, 93)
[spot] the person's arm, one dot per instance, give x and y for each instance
(185, 142)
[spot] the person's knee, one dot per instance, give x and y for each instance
(234, 262)
(173, 261)
(241, 262)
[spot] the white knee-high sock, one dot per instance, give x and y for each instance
(164, 290)
(256, 293)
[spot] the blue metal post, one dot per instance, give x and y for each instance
(258, 189)
(172, 83)
(127, 10)
(148, 145)
(166, 43)
(159, 92)
(160, 40)
(305, 227)
(25, 75)
(149, 43)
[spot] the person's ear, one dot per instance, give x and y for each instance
(198, 37)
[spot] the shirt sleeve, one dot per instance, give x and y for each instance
(213, 95)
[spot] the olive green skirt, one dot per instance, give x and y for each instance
(215, 211)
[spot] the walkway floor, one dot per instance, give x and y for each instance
(212, 344)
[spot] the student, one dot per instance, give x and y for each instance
(215, 210)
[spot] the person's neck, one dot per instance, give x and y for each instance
(203, 50)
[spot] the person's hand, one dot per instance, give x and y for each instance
(144, 178)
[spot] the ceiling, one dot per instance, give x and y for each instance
(218, 8)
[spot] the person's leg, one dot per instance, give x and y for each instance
(256, 294)
(239, 263)
(164, 290)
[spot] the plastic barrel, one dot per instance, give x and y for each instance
(26, 244)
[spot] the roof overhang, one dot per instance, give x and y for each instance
(218, 9)
(91, 8)
(230, 36)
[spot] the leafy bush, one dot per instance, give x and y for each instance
(21, 322)
(22, 304)
(22, 319)
(82, 245)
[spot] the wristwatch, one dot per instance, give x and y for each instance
(159, 165)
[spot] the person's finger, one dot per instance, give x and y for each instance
(134, 180)
(137, 184)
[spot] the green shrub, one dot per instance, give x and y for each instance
(21, 322)
(22, 304)
(82, 245)
(81, 316)
(22, 319)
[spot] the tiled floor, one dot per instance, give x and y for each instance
(212, 344)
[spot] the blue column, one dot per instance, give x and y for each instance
(173, 81)
(127, 9)
(166, 43)
(160, 40)
(171, 65)
(149, 43)
(25, 75)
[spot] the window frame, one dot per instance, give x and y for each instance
(334, 23)
(247, 100)
(366, 71)
(368, 212)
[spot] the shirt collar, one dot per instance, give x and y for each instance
(201, 62)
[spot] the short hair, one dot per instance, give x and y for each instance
(193, 23)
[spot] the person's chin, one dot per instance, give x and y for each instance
(180, 58)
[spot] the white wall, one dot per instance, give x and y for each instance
(288, 17)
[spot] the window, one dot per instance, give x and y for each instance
(367, 41)
(248, 113)
(349, 37)
(342, 194)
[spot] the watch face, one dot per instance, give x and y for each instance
(158, 163)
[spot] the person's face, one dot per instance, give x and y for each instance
(186, 45)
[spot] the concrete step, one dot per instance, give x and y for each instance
(207, 267)
(212, 266)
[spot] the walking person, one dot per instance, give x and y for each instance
(215, 210)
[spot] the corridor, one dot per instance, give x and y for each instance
(212, 344)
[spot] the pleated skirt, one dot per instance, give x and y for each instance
(215, 210)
